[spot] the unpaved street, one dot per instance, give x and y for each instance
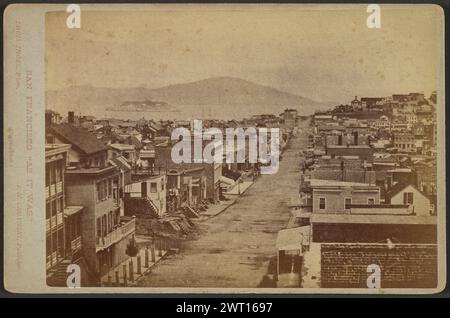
(236, 247)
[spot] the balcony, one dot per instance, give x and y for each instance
(129, 227)
(125, 227)
(53, 189)
(75, 245)
(51, 260)
(54, 222)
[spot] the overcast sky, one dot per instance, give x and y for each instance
(326, 55)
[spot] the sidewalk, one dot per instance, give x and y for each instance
(120, 275)
(216, 209)
(239, 188)
(231, 195)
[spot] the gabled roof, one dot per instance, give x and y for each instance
(80, 138)
(136, 142)
(398, 187)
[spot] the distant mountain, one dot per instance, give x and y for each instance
(214, 94)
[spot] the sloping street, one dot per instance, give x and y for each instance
(236, 247)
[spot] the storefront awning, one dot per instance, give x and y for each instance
(292, 239)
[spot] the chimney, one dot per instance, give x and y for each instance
(71, 118)
(48, 119)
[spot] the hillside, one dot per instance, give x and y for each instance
(217, 94)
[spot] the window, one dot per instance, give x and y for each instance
(99, 191)
(47, 211)
(58, 172)
(47, 175)
(153, 187)
(322, 203)
(52, 174)
(111, 220)
(408, 198)
(99, 227)
(371, 201)
(49, 246)
(348, 202)
(54, 208)
(109, 187)
(117, 218)
(54, 242)
(58, 205)
(102, 189)
(115, 186)
(104, 225)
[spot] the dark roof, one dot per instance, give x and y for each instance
(398, 187)
(80, 138)
(371, 99)
(122, 163)
(135, 141)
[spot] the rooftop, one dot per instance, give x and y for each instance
(349, 146)
(336, 183)
(53, 149)
(292, 239)
(80, 138)
(91, 170)
(372, 219)
(123, 147)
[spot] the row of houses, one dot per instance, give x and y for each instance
(103, 176)
(361, 196)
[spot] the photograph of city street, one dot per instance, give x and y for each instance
(255, 146)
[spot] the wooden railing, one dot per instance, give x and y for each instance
(116, 234)
(59, 219)
(53, 189)
(75, 244)
(54, 221)
(129, 227)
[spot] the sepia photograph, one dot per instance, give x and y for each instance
(230, 147)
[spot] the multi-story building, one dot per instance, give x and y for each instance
(212, 171)
(127, 151)
(382, 123)
(331, 196)
(364, 152)
(290, 117)
(146, 193)
(185, 187)
(62, 221)
(94, 183)
(405, 142)
(408, 194)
